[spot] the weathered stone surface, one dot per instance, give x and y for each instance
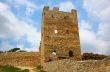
(20, 59)
(78, 66)
(60, 35)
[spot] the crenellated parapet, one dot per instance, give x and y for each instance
(55, 11)
(60, 35)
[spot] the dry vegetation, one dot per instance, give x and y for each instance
(92, 56)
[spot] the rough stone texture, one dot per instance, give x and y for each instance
(28, 59)
(60, 35)
(78, 66)
(67, 39)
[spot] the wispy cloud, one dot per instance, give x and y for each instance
(66, 6)
(12, 27)
(101, 10)
(17, 22)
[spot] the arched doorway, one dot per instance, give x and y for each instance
(70, 53)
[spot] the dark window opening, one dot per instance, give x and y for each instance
(53, 50)
(52, 15)
(66, 17)
(67, 31)
(50, 60)
(70, 53)
(47, 37)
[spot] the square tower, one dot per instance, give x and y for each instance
(59, 35)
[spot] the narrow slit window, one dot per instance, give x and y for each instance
(52, 15)
(67, 31)
(70, 53)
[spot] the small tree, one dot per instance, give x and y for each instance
(14, 50)
(1, 51)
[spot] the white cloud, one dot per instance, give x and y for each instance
(3, 6)
(103, 47)
(91, 41)
(31, 49)
(85, 25)
(104, 15)
(30, 6)
(11, 27)
(87, 37)
(5, 46)
(100, 9)
(66, 6)
(96, 6)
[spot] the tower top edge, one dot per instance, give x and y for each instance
(56, 9)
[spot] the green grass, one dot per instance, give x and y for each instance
(8, 68)
(39, 68)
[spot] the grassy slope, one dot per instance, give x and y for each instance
(8, 68)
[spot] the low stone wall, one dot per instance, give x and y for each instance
(78, 66)
(28, 59)
(31, 59)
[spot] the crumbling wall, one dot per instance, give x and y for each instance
(78, 66)
(27, 59)
(59, 35)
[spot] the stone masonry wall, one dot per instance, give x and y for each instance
(65, 40)
(78, 66)
(27, 59)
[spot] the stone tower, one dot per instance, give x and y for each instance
(60, 35)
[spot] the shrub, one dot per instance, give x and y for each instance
(40, 68)
(92, 56)
(8, 68)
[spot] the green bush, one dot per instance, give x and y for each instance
(13, 50)
(92, 56)
(40, 68)
(8, 68)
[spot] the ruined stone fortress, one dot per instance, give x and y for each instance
(59, 48)
(60, 35)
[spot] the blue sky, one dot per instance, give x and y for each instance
(20, 23)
